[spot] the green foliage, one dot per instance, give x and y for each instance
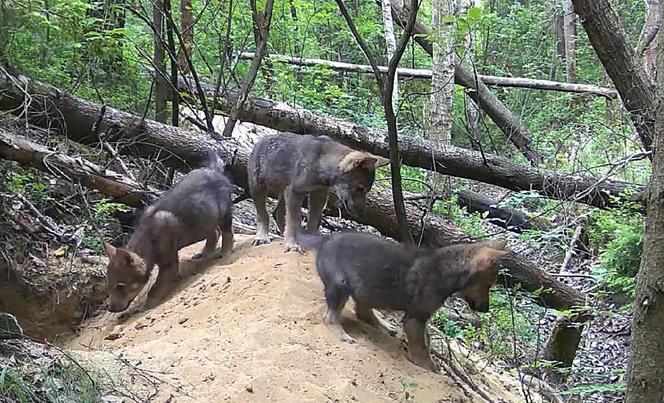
(595, 388)
(55, 384)
(619, 235)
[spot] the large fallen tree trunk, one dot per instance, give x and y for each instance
(427, 154)
(465, 76)
(76, 170)
(85, 122)
(608, 38)
(512, 82)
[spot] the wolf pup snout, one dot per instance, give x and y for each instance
(198, 207)
(291, 167)
(385, 275)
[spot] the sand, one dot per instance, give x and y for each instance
(250, 328)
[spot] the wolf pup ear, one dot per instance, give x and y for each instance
(486, 256)
(380, 161)
(110, 250)
(359, 159)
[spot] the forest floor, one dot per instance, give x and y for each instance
(250, 328)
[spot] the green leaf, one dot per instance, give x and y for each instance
(475, 13)
(448, 19)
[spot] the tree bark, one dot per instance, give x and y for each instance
(465, 76)
(187, 29)
(262, 20)
(508, 82)
(648, 40)
(391, 46)
(441, 101)
(645, 372)
(561, 348)
(569, 35)
(608, 38)
(161, 85)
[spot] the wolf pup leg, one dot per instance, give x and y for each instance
(262, 217)
(293, 202)
(418, 350)
(364, 313)
(336, 299)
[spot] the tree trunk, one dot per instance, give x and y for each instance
(508, 82)
(465, 76)
(649, 40)
(441, 102)
(161, 86)
(569, 35)
(187, 29)
(471, 110)
(173, 88)
(88, 123)
(262, 20)
(645, 372)
(391, 46)
(608, 38)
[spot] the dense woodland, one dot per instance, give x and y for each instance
(534, 121)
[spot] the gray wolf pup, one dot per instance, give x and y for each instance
(198, 207)
(385, 275)
(289, 167)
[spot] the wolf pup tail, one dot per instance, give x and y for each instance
(214, 161)
(311, 241)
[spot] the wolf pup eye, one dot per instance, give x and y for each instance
(120, 286)
(361, 189)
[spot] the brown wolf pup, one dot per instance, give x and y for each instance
(198, 207)
(289, 167)
(385, 275)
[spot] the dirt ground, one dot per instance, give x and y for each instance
(250, 328)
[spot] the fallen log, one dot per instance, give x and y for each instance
(425, 74)
(427, 154)
(505, 217)
(76, 170)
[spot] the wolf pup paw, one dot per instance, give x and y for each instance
(346, 338)
(260, 241)
(293, 247)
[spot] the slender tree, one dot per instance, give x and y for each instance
(645, 372)
(441, 102)
(161, 83)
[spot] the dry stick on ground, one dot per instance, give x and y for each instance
(261, 32)
(511, 82)
(386, 86)
(607, 36)
(465, 76)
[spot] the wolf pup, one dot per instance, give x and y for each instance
(385, 275)
(289, 167)
(198, 207)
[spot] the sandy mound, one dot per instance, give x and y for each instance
(250, 328)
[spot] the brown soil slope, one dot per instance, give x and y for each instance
(250, 328)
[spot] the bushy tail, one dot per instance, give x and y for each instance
(311, 241)
(214, 161)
